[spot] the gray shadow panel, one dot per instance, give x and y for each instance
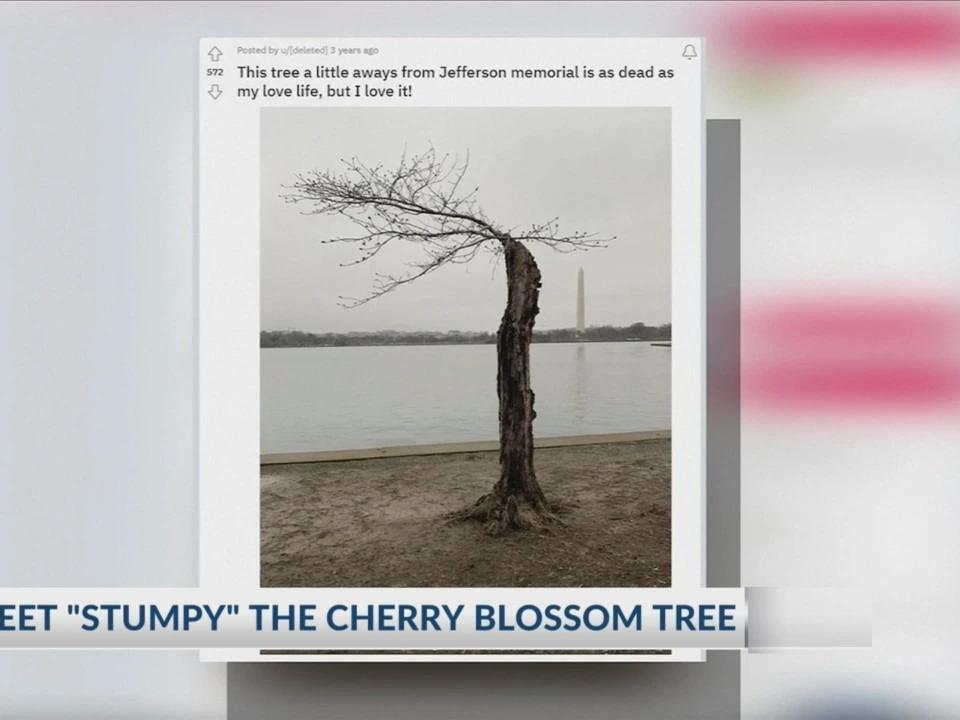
(709, 690)
(723, 353)
(378, 691)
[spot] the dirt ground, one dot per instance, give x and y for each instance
(380, 522)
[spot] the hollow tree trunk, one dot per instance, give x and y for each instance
(517, 476)
(516, 500)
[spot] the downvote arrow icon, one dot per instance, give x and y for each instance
(214, 91)
(215, 53)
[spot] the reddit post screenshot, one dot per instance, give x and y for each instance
(443, 286)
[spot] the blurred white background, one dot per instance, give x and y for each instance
(851, 174)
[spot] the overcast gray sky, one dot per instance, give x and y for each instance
(603, 170)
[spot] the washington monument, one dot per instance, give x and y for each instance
(581, 314)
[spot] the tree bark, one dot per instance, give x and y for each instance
(516, 501)
(517, 475)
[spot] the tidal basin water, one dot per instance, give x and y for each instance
(365, 397)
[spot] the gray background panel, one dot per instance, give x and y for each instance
(601, 691)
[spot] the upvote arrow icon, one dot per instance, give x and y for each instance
(215, 53)
(214, 91)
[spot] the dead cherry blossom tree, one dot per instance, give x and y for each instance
(423, 201)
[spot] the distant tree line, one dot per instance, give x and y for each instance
(600, 333)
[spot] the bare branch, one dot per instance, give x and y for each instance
(422, 201)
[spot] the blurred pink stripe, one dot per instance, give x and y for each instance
(854, 383)
(852, 319)
(845, 31)
(842, 352)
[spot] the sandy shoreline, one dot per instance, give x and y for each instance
(379, 522)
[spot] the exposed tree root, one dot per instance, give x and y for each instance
(503, 513)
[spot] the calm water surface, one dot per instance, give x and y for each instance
(360, 397)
